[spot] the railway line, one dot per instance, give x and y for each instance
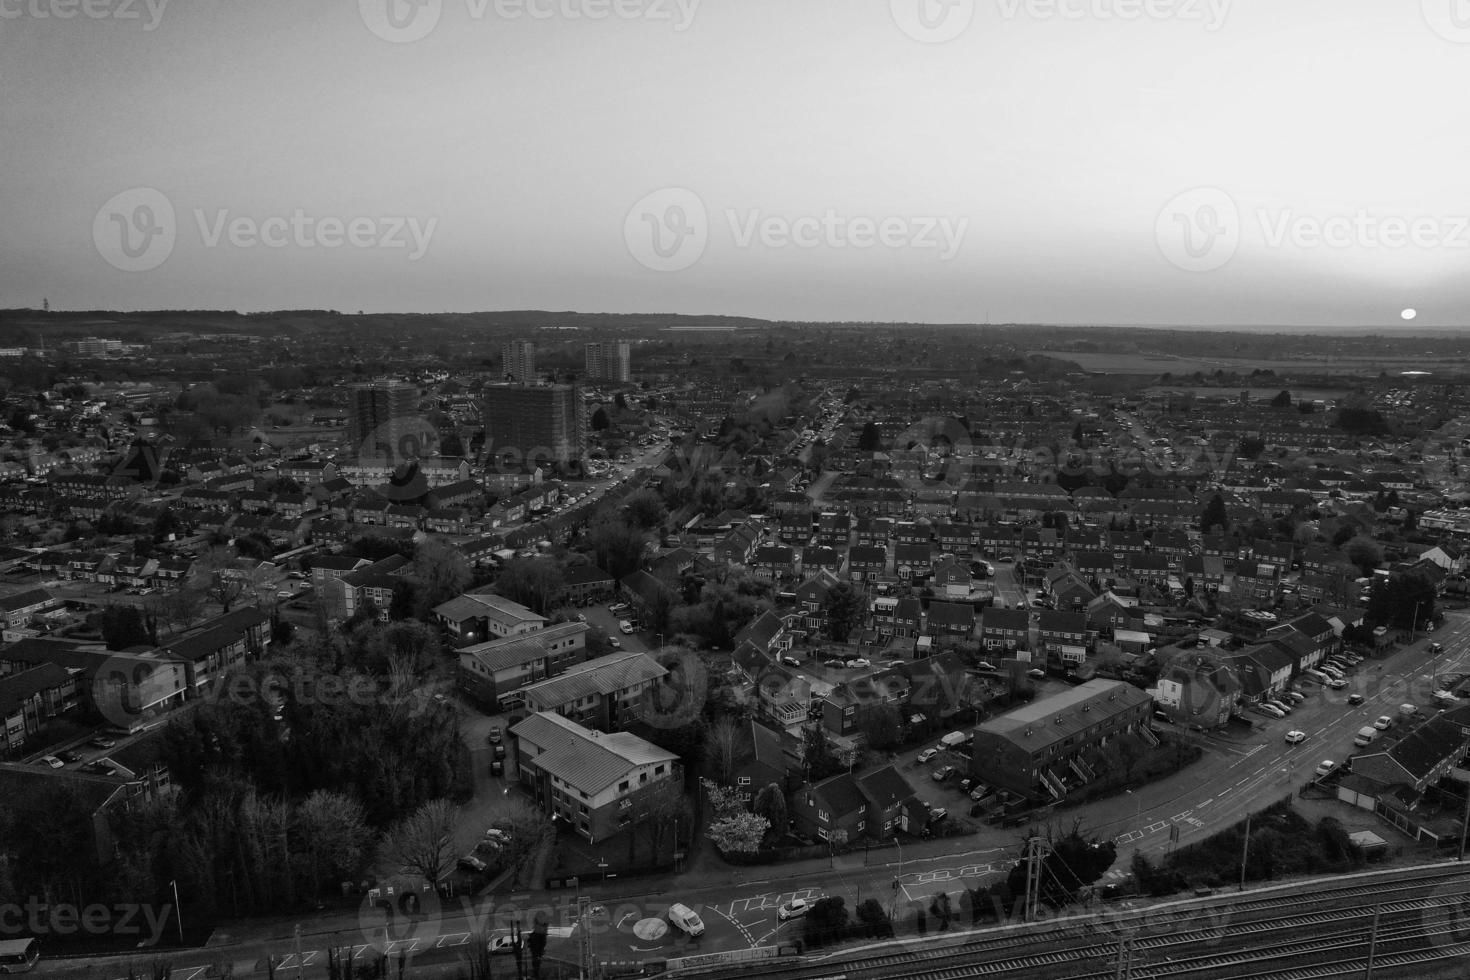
(1321, 932)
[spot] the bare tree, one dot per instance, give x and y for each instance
(423, 841)
(728, 745)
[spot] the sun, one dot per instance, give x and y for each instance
(1409, 314)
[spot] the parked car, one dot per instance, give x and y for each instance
(100, 767)
(101, 742)
(1355, 699)
(625, 626)
(982, 665)
(1036, 672)
(686, 919)
(1267, 708)
(1384, 723)
(614, 642)
(943, 773)
(791, 661)
(1295, 737)
(927, 754)
(50, 760)
(938, 813)
(1325, 768)
(793, 909)
(965, 784)
(834, 663)
(859, 662)
(496, 734)
(1337, 683)
(502, 944)
(1296, 697)
(70, 755)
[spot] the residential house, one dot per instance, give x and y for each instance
(1005, 630)
(599, 783)
(477, 615)
(1064, 635)
(1041, 750)
(494, 671)
(606, 694)
(587, 584)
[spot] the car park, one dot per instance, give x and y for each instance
(1295, 737)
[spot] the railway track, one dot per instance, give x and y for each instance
(1073, 946)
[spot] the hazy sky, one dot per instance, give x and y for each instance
(1142, 161)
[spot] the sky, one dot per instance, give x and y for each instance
(1173, 162)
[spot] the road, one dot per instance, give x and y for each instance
(1009, 593)
(1231, 778)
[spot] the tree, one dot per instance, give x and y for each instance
(1069, 864)
(220, 579)
(722, 800)
(843, 607)
(423, 841)
(533, 582)
(1405, 600)
(1282, 400)
(826, 921)
(444, 572)
(600, 421)
(1363, 552)
(870, 439)
(617, 547)
(122, 627)
(329, 834)
(770, 803)
(645, 510)
(726, 746)
(880, 723)
(1214, 520)
(818, 757)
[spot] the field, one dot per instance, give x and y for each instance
(1161, 363)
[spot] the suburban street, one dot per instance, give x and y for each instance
(1235, 775)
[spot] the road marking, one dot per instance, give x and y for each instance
(1205, 803)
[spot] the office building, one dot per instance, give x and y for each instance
(609, 361)
(519, 360)
(534, 423)
(379, 415)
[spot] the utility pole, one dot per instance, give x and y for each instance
(1464, 823)
(1372, 944)
(585, 941)
(1124, 968)
(1245, 850)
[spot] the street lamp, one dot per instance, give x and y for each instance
(1138, 810)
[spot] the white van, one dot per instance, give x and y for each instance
(685, 918)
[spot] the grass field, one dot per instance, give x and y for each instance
(1158, 364)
